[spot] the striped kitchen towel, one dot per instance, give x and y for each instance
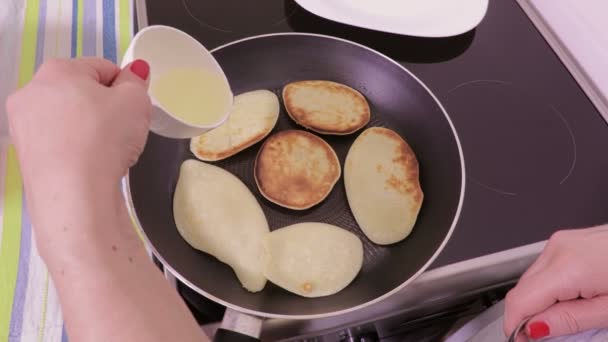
(32, 31)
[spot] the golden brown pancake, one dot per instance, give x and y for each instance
(252, 117)
(382, 186)
(326, 107)
(296, 169)
(312, 259)
(203, 209)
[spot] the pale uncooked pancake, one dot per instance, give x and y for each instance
(382, 185)
(312, 259)
(252, 117)
(208, 219)
(326, 107)
(296, 169)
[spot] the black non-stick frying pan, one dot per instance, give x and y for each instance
(398, 101)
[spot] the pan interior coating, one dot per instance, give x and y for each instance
(296, 169)
(203, 208)
(312, 259)
(397, 100)
(382, 185)
(252, 117)
(326, 107)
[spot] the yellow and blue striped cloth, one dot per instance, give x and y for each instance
(32, 31)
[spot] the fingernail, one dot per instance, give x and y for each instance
(538, 330)
(140, 68)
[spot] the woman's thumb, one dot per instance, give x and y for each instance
(137, 72)
(570, 317)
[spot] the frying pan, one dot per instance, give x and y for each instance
(398, 100)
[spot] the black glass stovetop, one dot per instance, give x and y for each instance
(534, 145)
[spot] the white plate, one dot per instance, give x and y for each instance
(424, 18)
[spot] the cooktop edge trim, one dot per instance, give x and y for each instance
(563, 53)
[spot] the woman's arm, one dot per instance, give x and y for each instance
(77, 127)
(566, 290)
(108, 287)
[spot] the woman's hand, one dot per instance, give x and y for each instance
(77, 127)
(82, 117)
(566, 290)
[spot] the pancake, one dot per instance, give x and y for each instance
(252, 117)
(326, 107)
(204, 210)
(312, 259)
(382, 186)
(296, 169)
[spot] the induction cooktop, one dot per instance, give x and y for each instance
(533, 142)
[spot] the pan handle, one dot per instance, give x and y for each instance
(238, 327)
(223, 335)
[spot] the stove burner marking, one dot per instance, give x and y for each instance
(502, 192)
(464, 84)
(574, 157)
(193, 16)
(185, 4)
(553, 109)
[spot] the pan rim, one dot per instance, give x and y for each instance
(388, 294)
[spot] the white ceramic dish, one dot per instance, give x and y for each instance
(164, 48)
(423, 18)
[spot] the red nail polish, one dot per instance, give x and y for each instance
(140, 68)
(538, 330)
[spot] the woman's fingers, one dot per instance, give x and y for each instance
(529, 296)
(539, 264)
(551, 248)
(131, 96)
(538, 292)
(130, 87)
(570, 317)
(137, 72)
(100, 70)
(565, 290)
